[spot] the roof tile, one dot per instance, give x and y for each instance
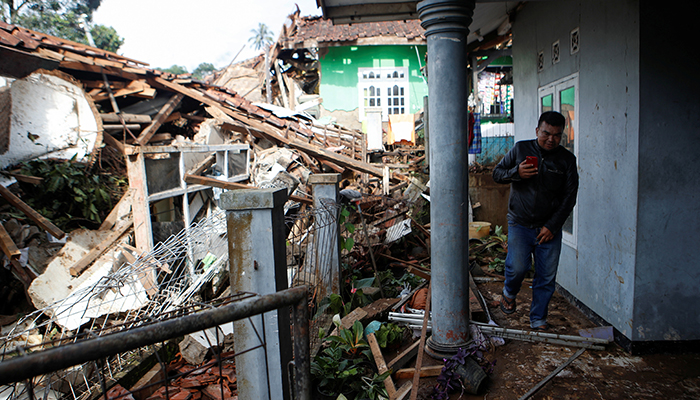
(323, 30)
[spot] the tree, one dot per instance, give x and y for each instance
(175, 69)
(60, 18)
(262, 36)
(202, 70)
(106, 38)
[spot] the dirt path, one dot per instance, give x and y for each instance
(607, 374)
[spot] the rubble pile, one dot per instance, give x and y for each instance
(172, 144)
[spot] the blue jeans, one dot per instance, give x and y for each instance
(522, 246)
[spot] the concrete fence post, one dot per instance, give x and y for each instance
(256, 246)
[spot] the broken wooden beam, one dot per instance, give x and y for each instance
(8, 245)
(417, 272)
(21, 273)
(93, 254)
(425, 372)
(112, 217)
(405, 356)
(202, 165)
(158, 137)
(32, 180)
(44, 223)
(381, 365)
(421, 347)
(202, 180)
(164, 113)
(110, 140)
(339, 159)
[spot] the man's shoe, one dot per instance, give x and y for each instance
(507, 305)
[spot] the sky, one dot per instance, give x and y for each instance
(163, 33)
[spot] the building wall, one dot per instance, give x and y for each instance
(600, 270)
(668, 271)
(339, 79)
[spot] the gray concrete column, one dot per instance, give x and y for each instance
(324, 188)
(256, 248)
(447, 26)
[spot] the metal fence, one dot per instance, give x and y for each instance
(313, 256)
(48, 374)
(155, 294)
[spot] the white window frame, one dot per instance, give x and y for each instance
(555, 88)
(389, 77)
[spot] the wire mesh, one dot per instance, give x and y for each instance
(158, 285)
(313, 253)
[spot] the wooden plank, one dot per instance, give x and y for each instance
(69, 55)
(113, 118)
(267, 130)
(44, 223)
(425, 372)
(93, 254)
(164, 112)
(33, 180)
(418, 272)
(202, 180)
(403, 391)
(405, 356)
(8, 245)
(381, 366)
(111, 219)
(101, 85)
(333, 166)
(111, 141)
(339, 159)
(158, 137)
(135, 169)
(21, 273)
(421, 348)
(202, 165)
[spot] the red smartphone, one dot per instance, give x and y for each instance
(532, 160)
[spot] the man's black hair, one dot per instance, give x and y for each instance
(552, 118)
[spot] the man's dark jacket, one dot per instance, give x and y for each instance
(545, 199)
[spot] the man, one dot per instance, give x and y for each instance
(542, 194)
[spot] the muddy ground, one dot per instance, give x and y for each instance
(608, 374)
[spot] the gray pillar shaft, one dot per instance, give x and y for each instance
(255, 225)
(446, 24)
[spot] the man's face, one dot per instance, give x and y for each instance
(548, 136)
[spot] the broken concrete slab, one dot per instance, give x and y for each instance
(62, 294)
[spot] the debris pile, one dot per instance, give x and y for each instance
(155, 242)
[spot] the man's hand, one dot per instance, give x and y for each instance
(526, 171)
(544, 236)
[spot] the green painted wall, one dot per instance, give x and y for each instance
(339, 68)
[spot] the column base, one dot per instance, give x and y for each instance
(441, 351)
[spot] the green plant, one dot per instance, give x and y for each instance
(341, 365)
(373, 388)
(497, 265)
(389, 334)
(332, 372)
(71, 191)
(346, 243)
(351, 341)
(334, 303)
